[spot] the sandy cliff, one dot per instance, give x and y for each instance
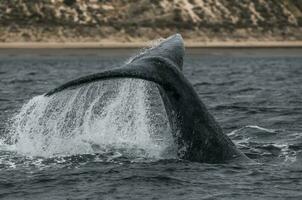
(140, 20)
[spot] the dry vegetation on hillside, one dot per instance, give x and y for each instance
(137, 20)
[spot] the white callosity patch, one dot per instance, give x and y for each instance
(120, 115)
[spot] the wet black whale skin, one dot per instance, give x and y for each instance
(199, 137)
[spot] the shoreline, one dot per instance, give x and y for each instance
(134, 45)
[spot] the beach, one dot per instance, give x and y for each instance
(117, 45)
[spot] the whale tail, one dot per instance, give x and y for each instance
(199, 137)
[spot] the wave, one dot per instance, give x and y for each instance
(268, 145)
(265, 130)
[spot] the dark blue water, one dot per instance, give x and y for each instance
(255, 95)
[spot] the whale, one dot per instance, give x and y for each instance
(198, 135)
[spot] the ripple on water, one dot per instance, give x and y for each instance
(255, 98)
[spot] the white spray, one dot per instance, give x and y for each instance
(98, 117)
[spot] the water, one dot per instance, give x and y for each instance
(111, 140)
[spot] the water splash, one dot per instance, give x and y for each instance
(122, 115)
(152, 44)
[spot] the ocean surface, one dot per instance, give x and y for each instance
(110, 140)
